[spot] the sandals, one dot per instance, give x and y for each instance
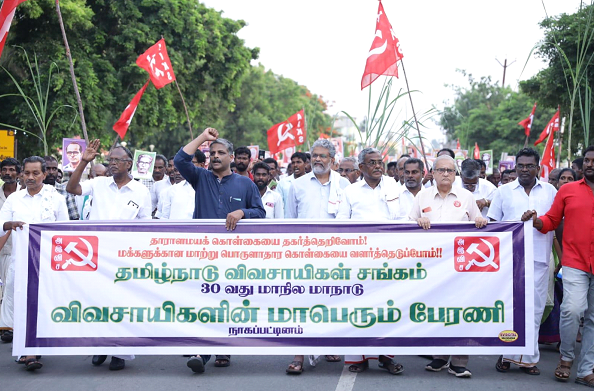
(222, 361)
(563, 370)
(32, 364)
(534, 371)
(331, 358)
(292, 369)
(359, 367)
(586, 380)
(502, 366)
(391, 366)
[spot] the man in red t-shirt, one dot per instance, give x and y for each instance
(575, 203)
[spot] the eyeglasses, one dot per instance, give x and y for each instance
(526, 166)
(72, 152)
(443, 170)
(117, 161)
(373, 163)
(346, 170)
(321, 156)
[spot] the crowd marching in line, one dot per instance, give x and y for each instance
(234, 186)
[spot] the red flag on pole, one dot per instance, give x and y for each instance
(121, 127)
(527, 123)
(551, 127)
(477, 152)
(288, 133)
(6, 16)
(384, 52)
(547, 164)
(156, 62)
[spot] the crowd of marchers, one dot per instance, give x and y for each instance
(236, 186)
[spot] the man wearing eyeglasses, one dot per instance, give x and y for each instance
(481, 189)
(348, 169)
(445, 202)
(115, 197)
(509, 204)
(73, 152)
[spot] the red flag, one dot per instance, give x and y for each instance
(384, 52)
(527, 123)
(6, 16)
(288, 133)
(551, 127)
(121, 127)
(477, 152)
(547, 164)
(156, 62)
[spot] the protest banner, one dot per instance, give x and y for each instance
(271, 287)
(487, 157)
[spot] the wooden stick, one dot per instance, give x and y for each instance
(414, 115)
(186, 108)
(76, 92)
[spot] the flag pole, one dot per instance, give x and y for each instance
(414, 114)
(185, 108)
(69, 55)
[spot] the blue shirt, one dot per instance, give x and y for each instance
(214, 199)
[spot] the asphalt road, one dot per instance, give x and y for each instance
(69, 373)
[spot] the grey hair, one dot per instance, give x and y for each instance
(226, 143)
(325, 143)
(448, 159)
(470, 169)
(366, 152)
(351, 159)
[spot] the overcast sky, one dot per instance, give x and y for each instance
(323, 44)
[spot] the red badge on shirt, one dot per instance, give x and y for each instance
(426, 210)
(75, 253)
(476, 254)
(457, 204)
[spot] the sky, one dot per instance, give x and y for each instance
(323, 44)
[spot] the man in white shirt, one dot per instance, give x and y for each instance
(509, 204)
(117, 197)
(349, 169)
(271, 200)
(298, 163)
(413, 185)
(482, 190)
(373, 198)
(316, 196)
(445, 202)
(37, 203)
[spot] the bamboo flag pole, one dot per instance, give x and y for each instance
(414, 115)
(186, 108)
(76, 92)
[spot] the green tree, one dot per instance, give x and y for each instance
(106, 37)
(569, 77)
(487, 114)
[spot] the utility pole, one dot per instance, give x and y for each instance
(505, 66)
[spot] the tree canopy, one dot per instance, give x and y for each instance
(211, 63)
(487, 114)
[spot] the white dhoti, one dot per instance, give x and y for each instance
(4, 265)
(541, 284)
(7, 307)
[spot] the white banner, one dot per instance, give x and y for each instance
(273, 287)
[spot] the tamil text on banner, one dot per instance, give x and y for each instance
(297, 287)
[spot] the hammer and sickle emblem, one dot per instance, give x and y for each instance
(287, 133)
(85, 260)
(487, 260)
